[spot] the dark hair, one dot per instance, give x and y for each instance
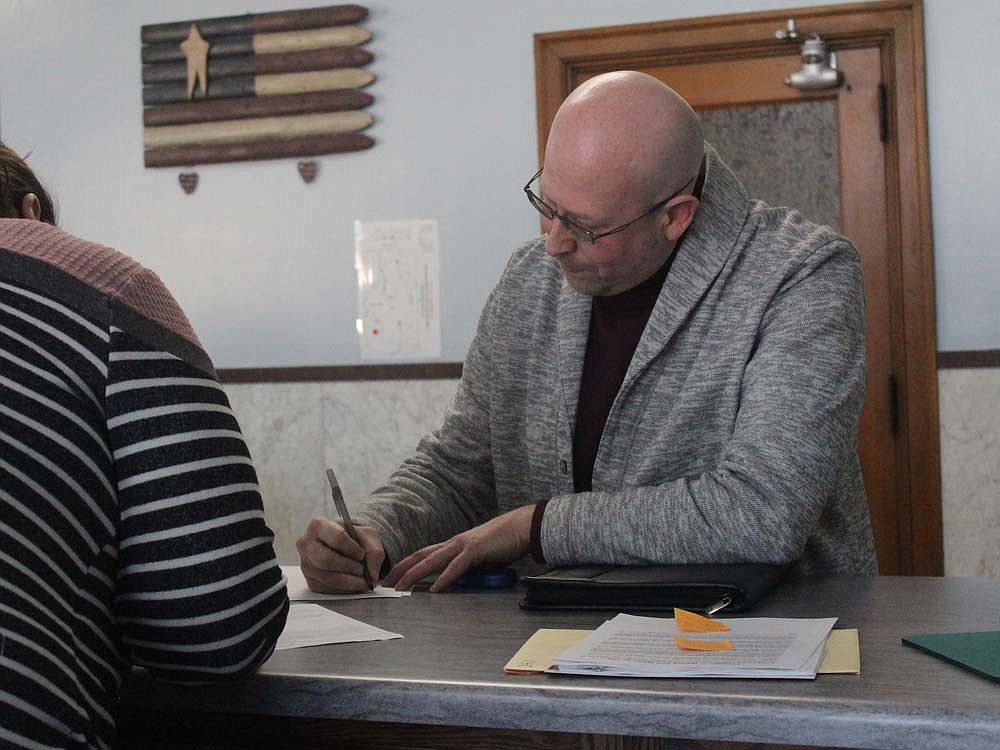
(16, 181)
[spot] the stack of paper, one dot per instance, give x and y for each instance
(631, 646)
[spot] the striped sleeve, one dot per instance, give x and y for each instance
(200, 597)
(58, 660)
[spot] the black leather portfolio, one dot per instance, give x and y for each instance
(700, 588)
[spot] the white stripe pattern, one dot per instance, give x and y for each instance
(55, 333)
(70, 632)
(193, 528)
(171, 471)
(230, 669)
(190, 560)
(56, 505)
(72, 483)
(43, 374)
(55, 660)
(41, 680)
(140, 356)
(177, 550)
(100, 333)
(67, 445)
(58, 363)
(56, 569)
(36, 713)
(71, 614)
(99, 442)
(164, 411)
(132, 385)
(59, 641)
(100, 575)
(42, 526)
(193, 591)
(21, 740)
(189, 497)
(181, 437)
(213, 617)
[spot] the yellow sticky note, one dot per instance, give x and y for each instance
(843, 653)
(689, 622)
(538, 651)
(692, 644)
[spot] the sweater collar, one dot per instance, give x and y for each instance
(708, 245)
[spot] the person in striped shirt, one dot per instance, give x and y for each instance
(131, 523)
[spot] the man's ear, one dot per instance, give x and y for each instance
(31, 207)
(679, 215)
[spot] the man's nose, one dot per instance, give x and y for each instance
(559, 240)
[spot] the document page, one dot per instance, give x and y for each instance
(399, 288)
(298, 589)
(646, 646)
(313, 625)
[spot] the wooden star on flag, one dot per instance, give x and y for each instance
(195, 50)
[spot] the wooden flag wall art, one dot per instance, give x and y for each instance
(257, 86)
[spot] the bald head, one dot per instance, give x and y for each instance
(625, 133)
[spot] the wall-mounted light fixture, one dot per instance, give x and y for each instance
(819, 67)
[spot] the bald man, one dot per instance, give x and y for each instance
(672, 373)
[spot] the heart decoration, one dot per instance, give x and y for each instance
(189, 181)
(307, 170)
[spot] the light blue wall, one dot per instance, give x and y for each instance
(963, 120)
(263, 263)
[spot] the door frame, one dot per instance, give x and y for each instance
(564, 58)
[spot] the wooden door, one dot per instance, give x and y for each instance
(735, 63)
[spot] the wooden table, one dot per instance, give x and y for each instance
(443, 685)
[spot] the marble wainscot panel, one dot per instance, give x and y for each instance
(970, 470)
(363, 429)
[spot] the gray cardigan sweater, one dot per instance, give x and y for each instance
(733, 437)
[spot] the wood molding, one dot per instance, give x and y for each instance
(978, 358)
(334, 373)
(564, 58)
(968, 358)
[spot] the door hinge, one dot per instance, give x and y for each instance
(894, 405)
(883, 113)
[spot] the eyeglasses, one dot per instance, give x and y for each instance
(578, 230)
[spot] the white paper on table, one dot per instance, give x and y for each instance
(298, 589)
(399, 299)
(313, 625)
(628, 645)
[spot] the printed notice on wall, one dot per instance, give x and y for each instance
(398, 288)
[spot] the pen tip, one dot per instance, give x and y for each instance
(331, 478)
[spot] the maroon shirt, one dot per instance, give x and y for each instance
(616, 325)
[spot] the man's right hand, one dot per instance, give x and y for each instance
(331, 561)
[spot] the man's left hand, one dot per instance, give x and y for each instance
(498, 541)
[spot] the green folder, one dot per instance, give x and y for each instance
(978, 652)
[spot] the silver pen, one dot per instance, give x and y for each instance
(338, 500)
